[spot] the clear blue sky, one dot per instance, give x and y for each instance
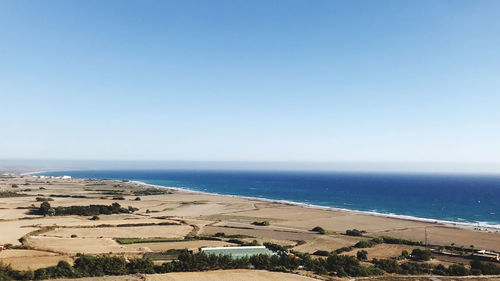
(369, 81)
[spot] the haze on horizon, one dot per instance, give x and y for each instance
(260, 81)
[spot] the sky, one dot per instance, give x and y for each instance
(289, 81)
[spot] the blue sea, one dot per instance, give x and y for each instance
(461, 199)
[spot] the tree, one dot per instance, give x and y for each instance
(140, 265)
(405, 254)
(63, 269)
(45, 208)
(362, 255)
(423, 255)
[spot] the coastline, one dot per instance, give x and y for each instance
(469, 225)
(485, 226)
(177, 213)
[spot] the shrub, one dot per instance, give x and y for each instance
(392, 240)
(362, 255)
(423, 255)
(405, 254)
(319, 230)
(364, 244)
(354, 232)
(274, 247)
(458, 270)
(4, 277)
(46, 209)
(321, 253)
(484, 267)
(140, 266)
(100, 265)
(261, 223)
(9, 194)
(150, 191)
(236, 241)
(42, 199)
(343, 249)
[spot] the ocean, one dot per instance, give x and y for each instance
(472, 200)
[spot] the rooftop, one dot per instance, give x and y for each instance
(238, 252)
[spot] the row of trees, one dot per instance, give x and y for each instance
(91, 210)
(477, 268)
(335, 265)
(101, 265)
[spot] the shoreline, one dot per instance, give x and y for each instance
(485, 226)
(469, 225)
(177, 213)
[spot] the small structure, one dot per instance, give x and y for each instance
(237, 252)
(488, 255)
(193, 250)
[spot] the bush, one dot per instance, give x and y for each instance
(261, 223)
(150, 191)
(100, 265)
(321, 253)
(364, 244)
(362, 255)
(342, 250)
(354, 232)
(140, 266)
(94, 218)
(46, 209)
(484, 267)
(423, 255)
(4, 277)
(274, 247)
(458, 270)
(392, 240)
(42, 199)
(405, 254)
(319, 230)
(236, 241)
(4, 194)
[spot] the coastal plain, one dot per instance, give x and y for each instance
(174, 219)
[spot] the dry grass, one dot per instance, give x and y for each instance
(167, 231)
(219, 275)
(30, 259)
